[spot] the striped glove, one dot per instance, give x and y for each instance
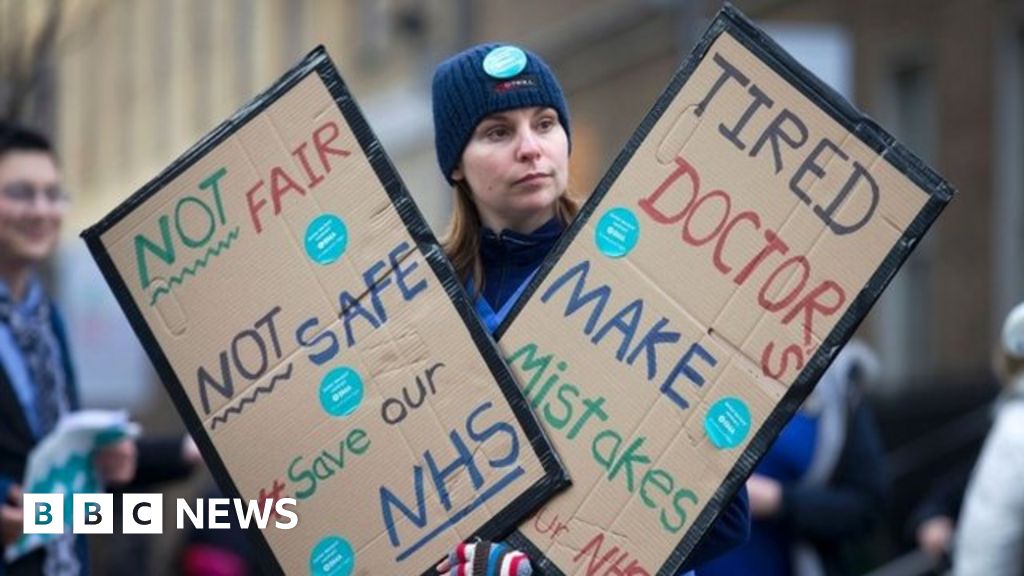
(484, 558)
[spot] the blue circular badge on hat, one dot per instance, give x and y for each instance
(504, 62)
(727, 423)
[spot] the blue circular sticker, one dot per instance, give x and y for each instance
(617, 232)
(341, 391)
(727, 422)
(332, 556)
(326, 238)
(504, 62)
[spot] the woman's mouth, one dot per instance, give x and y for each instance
(532, 176)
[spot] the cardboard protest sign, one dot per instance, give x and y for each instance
(317, 343)
(730, 252)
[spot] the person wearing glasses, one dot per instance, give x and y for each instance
(37, 384)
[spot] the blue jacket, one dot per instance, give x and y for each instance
(509, 261)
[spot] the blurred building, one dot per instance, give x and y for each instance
(136, 83)
(142, 81)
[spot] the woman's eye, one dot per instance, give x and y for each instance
(546, 124)
(497, 133)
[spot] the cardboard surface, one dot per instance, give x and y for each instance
(730, 252)
(317, 343)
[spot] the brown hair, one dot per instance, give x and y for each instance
(461, 241)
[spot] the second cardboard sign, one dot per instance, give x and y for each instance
(733, 248)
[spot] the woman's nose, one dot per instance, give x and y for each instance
(529, 145)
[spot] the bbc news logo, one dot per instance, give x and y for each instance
(144, 513)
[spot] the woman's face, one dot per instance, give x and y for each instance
(517, 165)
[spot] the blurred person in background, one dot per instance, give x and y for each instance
(990, 536)
(37, 379)
(821, 485)
(932, 524)
(37, 382)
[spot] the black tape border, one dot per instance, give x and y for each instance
(730, 20)
(555, 477)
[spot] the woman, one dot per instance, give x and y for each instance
(502, 138)
(990, 534)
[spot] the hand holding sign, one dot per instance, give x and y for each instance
(483, 558)
(116, 462)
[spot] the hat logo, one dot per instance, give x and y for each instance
(504, 62)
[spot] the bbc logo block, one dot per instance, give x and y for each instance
(44, 514)
(92, 514)
(144, 513)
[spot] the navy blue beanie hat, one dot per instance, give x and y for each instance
(481, 81)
